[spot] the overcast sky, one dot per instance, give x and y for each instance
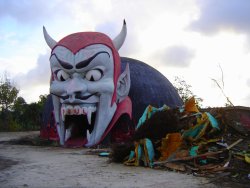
(196, 40)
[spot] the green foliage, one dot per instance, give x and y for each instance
(14, 126)
(8, 94)
(184, 90)
(15, 113)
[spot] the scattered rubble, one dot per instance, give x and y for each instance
(212, 142)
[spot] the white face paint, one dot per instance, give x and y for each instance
(82, 88)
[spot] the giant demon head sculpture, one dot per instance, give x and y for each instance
(87, 86)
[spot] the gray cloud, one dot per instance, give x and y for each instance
(248, 82)
(39, 75)
(222, 14)
(109, 28)
(26, 11)
(112, 29)
(177, 56)
(246, 100)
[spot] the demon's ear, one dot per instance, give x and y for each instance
(123, 84)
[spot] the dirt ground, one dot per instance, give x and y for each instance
(43, 166)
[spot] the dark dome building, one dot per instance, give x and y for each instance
(149, 86)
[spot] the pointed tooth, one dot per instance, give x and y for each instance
(80, 110)
(69, 110)
(68, 133)
(89, 114)
(63, 113)
(77, 110)
(88, 135)
(72, 110)
(84, 110)
(58, 128)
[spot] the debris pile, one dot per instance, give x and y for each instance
(211, 142)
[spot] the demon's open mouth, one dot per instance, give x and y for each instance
(79, 121)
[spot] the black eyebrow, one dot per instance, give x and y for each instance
(62, 63)
(87, 61)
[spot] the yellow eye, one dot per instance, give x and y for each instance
(94, 75)
(61, 75)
